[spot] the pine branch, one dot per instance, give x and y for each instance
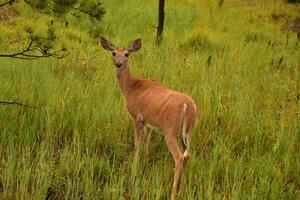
(91, 12)
(8, 2)
(37, 50)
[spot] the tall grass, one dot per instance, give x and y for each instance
(78, 143)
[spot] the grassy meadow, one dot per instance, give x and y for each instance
(238, 62)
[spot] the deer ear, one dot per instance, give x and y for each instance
(106, 44)
(136, 45)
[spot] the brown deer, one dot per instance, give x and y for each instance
(152, 105)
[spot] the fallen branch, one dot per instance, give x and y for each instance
(15, 103)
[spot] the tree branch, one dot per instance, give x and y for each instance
(8, 2)
(34, 8)
(42, 51)
(89, 12)
(15, 103)
(96, 11)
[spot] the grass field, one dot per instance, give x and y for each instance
(237, 63)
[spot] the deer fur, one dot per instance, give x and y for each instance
(152, 105)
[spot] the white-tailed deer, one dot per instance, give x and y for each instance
(153, 105)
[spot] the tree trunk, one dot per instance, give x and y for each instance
(161, 16)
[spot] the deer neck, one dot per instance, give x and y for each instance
(125, 79)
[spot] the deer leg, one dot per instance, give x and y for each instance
(137, 141)
(146, 142)
(172, 144)
(186, 157)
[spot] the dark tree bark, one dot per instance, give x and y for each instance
(161, 18)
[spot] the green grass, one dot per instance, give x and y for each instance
(78, 142)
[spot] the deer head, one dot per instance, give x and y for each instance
(121, 55)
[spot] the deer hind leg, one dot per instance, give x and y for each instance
(185, 136)
(172, 144)
(186, 154)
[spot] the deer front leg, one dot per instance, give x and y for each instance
(146, 138)
(137, 142)
(138, 127)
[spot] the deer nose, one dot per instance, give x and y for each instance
(119, 64)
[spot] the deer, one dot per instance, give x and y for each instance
(154, 106)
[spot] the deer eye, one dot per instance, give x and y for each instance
(114, 53)
(126, 55)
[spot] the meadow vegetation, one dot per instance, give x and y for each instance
(239, 60)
